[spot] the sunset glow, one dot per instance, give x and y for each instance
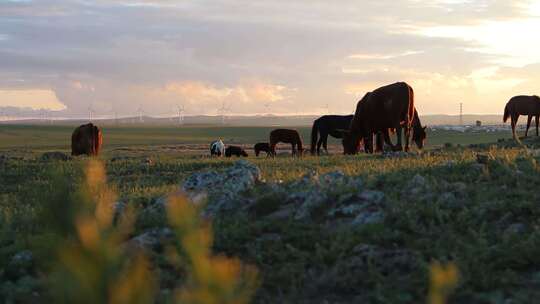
(264, 56)
(34, 99)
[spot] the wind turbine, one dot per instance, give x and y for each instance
(140, 113)
(115, 116)
(326, 109)
(91, 113)
(45, 116)
(223, 110)
(267, 106)
(50, 116)
(180, 111)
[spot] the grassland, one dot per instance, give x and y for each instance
(483, 218)
(47, 137)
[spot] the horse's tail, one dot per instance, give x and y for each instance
(411, 106)
(97, 140)
(506, 112)
(272, 141)
(314, 135)
(75, 141)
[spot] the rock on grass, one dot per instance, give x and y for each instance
(223, 188)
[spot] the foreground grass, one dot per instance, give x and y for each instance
(489, 229)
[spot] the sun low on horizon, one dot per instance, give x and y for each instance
(125, 57)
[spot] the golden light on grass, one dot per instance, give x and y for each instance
(443, 280)
(136, 286)
(88, 232)
(100, 193)
(95, 267)
(212, 279)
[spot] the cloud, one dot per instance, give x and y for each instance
(118, 54)
(34, 99)
(252, 94)
(529, 71)
(383, 56)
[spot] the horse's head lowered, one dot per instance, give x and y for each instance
(419, 136)
(350, 142)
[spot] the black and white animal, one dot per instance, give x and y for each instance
(235, 150)
(217, 148)
(262, 147)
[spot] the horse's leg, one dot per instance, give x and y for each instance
(398, 146)
(407, 137)
(273, 149)
(379, 142)
(325, 144)
(387, 139)
(529, 119)
(536, 121)
(514, 123)
(293, 149)
(369, 143)
(319, 143)
(366, 144)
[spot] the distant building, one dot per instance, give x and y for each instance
(478, 123)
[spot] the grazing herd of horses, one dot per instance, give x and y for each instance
(388, 109)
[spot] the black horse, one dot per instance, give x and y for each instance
(328, 125)
(262, 147)
(236, 151)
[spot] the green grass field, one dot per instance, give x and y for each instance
(483, 219)
(59, 137)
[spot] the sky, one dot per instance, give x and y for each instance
(254, 57)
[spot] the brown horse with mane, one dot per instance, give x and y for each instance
(522, 105)
(86, 139)
(287, 136)
(388, 107)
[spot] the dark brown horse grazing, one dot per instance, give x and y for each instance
(327, 125)
(236, 151)
(388, 107)
(287, 136)
(522, 105)
(262, 147)
(86, 139)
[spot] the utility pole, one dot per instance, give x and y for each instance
(461, 114)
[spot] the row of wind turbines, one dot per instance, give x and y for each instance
(179, 111)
